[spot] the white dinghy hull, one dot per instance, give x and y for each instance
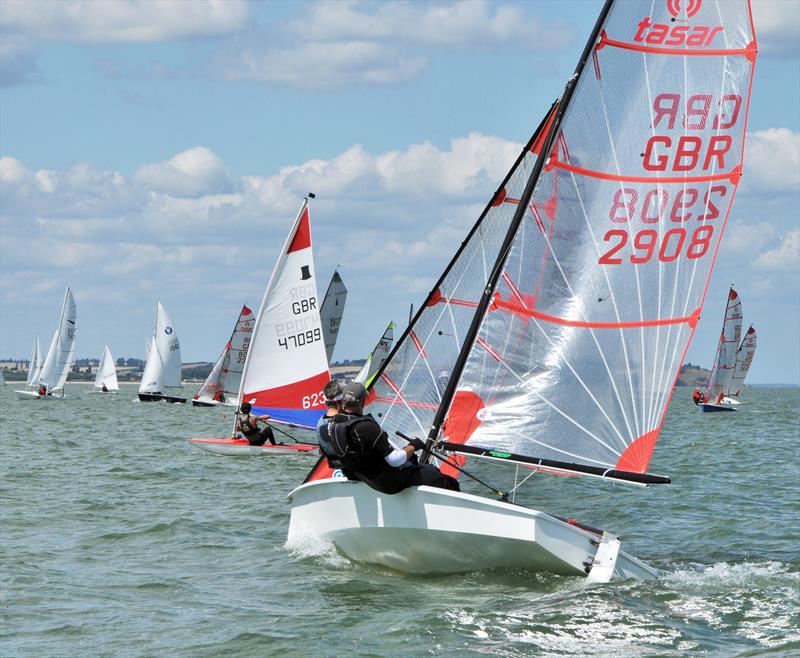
(429, 530)
(27, 395)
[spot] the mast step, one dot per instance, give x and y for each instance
(602, 567)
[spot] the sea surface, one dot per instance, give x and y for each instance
(118, 538)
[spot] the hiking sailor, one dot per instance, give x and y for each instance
(333, 397)
(247, 424)
(365, 453)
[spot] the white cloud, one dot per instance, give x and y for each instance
(785, 257)
(777, 24)
(747, 238)
(123, 20)
(193, 173)
(772, 160)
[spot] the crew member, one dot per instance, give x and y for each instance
(333, 398)
(697, 396)
(368, 455)
(247, 424)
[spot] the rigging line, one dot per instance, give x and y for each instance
(600, 351)
(524, 480)
(583, 458)
(562, 413)
(613, 147)
(399, 396)
(585, 387)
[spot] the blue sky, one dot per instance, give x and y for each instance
(160, 150)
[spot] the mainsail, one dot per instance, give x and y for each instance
(331, 312)
(163, 367)
(565, 316)
(106, 372)
(377, 357)
(286, 366)
(226, 375)
(720, 380)
(35, 367)
(744, 359)
(61, 355)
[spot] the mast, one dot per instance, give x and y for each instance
(522, 207)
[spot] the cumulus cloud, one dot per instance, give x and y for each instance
(785, 257)
(777, 24)
(772, 160)
(345, 43)
(747, 238)
(193, 173)
(123, 21)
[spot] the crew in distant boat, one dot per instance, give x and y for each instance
(697, 396)
(367, 454)
(247, 424)
(42, 389)
(219, 396)
(104, 389)
(333, 398)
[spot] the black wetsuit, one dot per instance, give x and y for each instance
(254, 436)
(367, 448)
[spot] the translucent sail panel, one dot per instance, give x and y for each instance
(36, 363)
(213, 383)
(744, 359)
(592, 316)
(236, 353)
(106, 372)
(408, 392)
(377, 357)
(168, 348)
(61, 355)
(332, 311)
(719, 382)
(286, 365)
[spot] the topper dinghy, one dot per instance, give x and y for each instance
(286, 365)
(564, 317)
(106, 379)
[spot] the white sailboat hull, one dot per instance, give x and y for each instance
(241, 447)
(33, 395)
(429, 530)
(27, 395)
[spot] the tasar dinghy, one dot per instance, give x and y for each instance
(564, 317)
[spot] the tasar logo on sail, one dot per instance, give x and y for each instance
(691, 36)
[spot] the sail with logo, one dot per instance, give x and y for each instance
(331, 312)
(222, 384)
(51, 375)
(377, 357)
(286, 366)
(564, 317)
(162, 371)
(744, 359)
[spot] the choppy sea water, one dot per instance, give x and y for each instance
(120, 539)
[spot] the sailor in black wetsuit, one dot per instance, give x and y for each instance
(333, 398)
(247, 424)
(367, 455)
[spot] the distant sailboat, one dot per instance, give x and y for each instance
(222, 384)
(721, 377)
(51, 376)
(331, 312)
(163, 367)
(286, 366)
(744, 359)
(2, 379)
(377, 357)
(106, 379)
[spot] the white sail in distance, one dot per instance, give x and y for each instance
(106, 372)
(377, 357)
(719, 384)
(163, 367)
(744, 359)
(35, 367)
(331, 312)
(61, 354)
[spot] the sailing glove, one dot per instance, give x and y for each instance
(418, 444)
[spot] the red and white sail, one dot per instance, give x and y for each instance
(744, 359)
(596, 286)
(721, 378)
(286, 365)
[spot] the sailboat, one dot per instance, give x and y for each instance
(721, 378)
(565, 315)
(331, 312)
(377, 357)
(222, 384)
(744, 359)
(51, 375)
(163, 367)
(286, 366)
(34, 367)
(106, 379)
(2, 379)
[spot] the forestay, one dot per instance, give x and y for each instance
(286, 366)
(720, 380)
(589, 311)
(163, 367)
(744, 358)
(61, 355)
(106, 372)
(377, 357)
(332, 311)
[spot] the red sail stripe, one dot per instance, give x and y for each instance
(488, 348)
(749, 51)
(537, 217)
(408, 403)
(733, 176)
(514, 289)
(418, 344)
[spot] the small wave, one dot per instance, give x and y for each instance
(303, 543)
(726, 575)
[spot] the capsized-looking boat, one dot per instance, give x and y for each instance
(286, 366)
(162, 370)
(51, 375)
(565, 315)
